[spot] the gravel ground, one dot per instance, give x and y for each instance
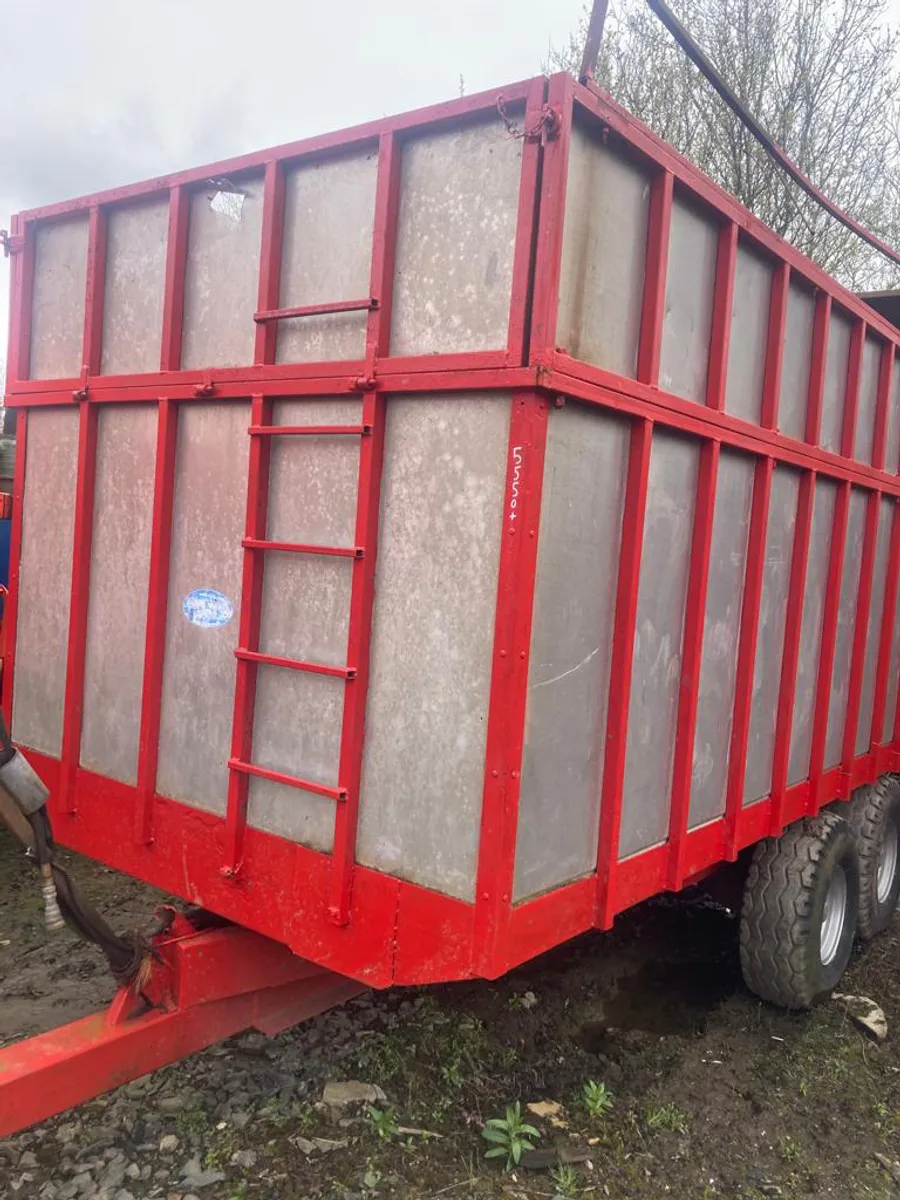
(710, 1093)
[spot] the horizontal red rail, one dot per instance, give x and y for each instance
(294, 781)
(315, 310)
(303, 548)
(294, 664)
(308, 430)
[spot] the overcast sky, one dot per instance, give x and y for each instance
(96, 93)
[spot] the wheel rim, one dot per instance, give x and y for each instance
(834, 916)
(887, 863)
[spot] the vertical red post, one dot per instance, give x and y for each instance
(509, 678)
(746, 658)
(781, 279)
(270, 261)
(790, 654)
(11, 607)
(854, 376)
(882, 409)
(828, 643)
(248, 637)
(624, 622)
(93, 306)
(860, 634)
(368, 503)
(818, 360)
(720, 333)
(691, 659)
(517, 347)
(548, 262)
(78, 604)
(157, 602)
(173, 297)
(889, 616)
(659, 223)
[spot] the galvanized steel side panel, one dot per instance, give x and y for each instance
(199, 670)
(603, 254)
(846, 626)
(571, 638)
(835, 391)
(432, 644)
(222, 276)
(873, 633)
(797, 359)
(329, 214)
(656, 664)
(305, 615)
(117, 608)
(137, 237)
(749, 335)
(718, 666)
(45, 578)
(57, 307)
(892, 450)
(693, 243)
(456, 235)
(864, 435)
(770, 634)
(811, 630)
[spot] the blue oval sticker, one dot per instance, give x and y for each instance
(207, 608)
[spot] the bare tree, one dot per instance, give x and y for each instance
(822, 78)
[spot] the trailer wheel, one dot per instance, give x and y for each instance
(798, 917)
(874, 816)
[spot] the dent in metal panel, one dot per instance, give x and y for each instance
(603, 255)
(57, 310)
(840, 675)
(135, 282)
(890, 707)
(864, 435)
(222, 276)
(835, 390)
(459, 196)
(435, 599)
(749, 335)
(892, 449)
(199, 672)
(117, 610)
(45, 578)
(296, 730)
(329, 215)
(873, 633)
(313, 480)
(656, 664)
(571, 636)
(693, 245)
(725, 590)
(811, 630)
(796, 361)
(770, 633)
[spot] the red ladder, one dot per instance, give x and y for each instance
(355, 673)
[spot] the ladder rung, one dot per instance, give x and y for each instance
(308, 430)
(305, 785)
(303, 548)
(315, 310)
(294, 664)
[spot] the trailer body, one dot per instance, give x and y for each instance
(434, 538)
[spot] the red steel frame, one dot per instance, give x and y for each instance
(328, 908)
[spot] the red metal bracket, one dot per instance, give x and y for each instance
(203, 987)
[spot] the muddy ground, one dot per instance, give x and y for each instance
(713, 1094)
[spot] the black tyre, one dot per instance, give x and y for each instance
(874, 816)
(798, 917)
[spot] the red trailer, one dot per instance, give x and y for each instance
(432, 539)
